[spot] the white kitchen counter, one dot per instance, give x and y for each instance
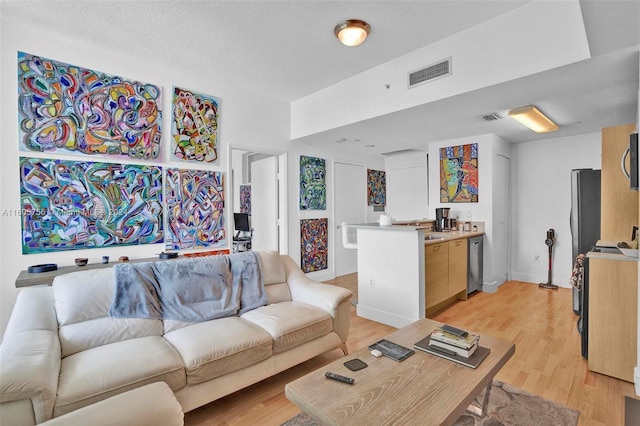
(391, 268)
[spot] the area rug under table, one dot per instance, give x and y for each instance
(508, 406)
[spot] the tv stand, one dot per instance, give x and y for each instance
(242, 242)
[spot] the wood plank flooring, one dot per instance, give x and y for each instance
(547, 361)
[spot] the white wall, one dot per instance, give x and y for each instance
(242, 124)
(407, 191)
(541, 194)
(488, 147)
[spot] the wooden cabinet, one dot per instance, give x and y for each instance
(457, 266)
(445, 273)
(619, 211)
(613, 309)
(436, 271)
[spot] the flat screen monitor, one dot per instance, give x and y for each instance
(241, 221)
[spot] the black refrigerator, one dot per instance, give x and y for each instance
(585, 217)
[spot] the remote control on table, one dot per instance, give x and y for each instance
(343, 379)
(453, 330)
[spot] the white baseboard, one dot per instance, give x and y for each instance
(535, 279)
(529, 278)
(383, 317)
(491, 287)
(636, 379)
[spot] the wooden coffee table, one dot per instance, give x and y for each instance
(423, 389)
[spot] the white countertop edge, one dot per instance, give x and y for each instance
(611, 256)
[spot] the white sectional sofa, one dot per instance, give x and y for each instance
(62, 351)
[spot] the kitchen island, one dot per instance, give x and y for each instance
(391, 269)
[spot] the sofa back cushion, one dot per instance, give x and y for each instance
(274, 276)
(82, 301)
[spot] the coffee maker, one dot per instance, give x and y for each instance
(442, 219)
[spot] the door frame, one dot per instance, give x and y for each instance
(337, 236)
(283, 217)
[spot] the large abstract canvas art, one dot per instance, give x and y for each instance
(195, 209)
(314, 240)
(194, 127)
(68, 205)
(67, 109)
(313, 189)
(245, 199)
(376, 187)
(459, 174)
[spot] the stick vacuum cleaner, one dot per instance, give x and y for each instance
(550, 241)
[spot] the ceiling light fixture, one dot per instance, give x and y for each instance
(352, 32)
(534, 119)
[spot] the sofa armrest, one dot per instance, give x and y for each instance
(304, 289)
(29, 369)
(30, 355)
(333, 299)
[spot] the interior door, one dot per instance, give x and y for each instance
(264, 203)
(350, 204)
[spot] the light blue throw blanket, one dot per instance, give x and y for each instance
(192, 289)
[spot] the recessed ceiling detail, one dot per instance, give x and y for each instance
(430, 73)
(400, 151)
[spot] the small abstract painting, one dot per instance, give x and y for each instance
(69, 205)
(67, 109)
(376, 187)
(314, 241)
(194, 127)
(459, 174)
(195, 209)
(313, 189)
(245, 199)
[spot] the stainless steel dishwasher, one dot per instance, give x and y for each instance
(474, 266)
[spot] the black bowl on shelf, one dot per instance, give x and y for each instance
(44, 267)
(81, 261)
(164, 255)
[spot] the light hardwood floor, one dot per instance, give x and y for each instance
(547, 361)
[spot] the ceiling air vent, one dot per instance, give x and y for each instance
(400, 151)
(491, 116)
(430, 72)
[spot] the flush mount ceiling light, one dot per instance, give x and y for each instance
(531, 117)
(352, 32)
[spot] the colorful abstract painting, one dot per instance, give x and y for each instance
(68, 109)
(194, 127)
(376, 187)
(313, 189)
(459, 174)
(245, 199)
(314, 240)
(195, 209)
(69, 205)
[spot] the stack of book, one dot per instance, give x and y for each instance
(451, 344)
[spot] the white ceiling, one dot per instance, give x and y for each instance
(287, 50)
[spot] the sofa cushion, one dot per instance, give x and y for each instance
(82, 301)
(102, 331)
(291, 323)
(84, 295)
(214, 348)
(101, 372)
(274, 276)
(271, 267)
